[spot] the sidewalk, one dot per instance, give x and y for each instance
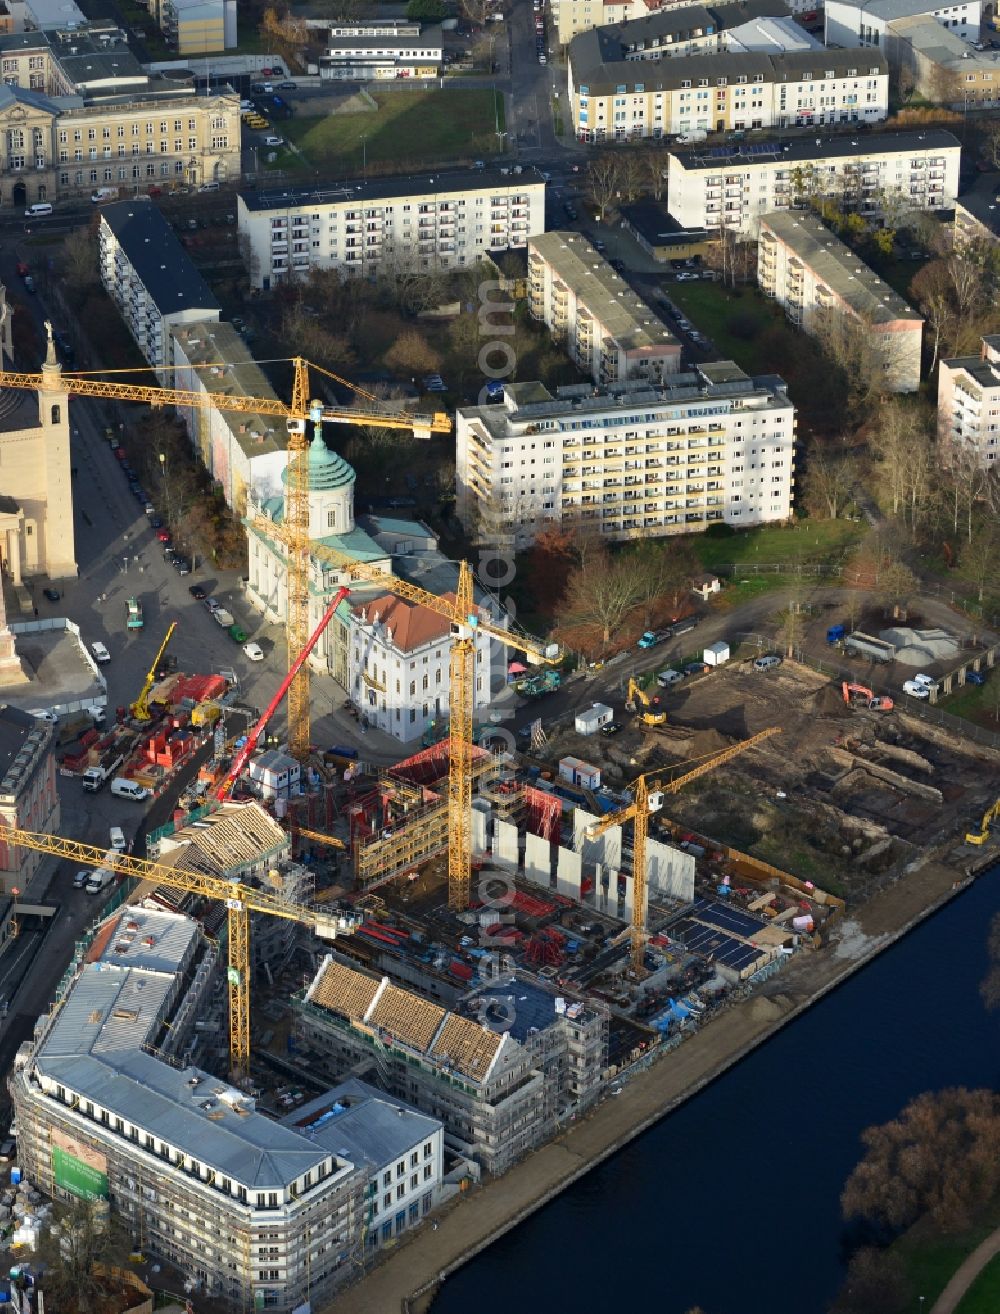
(950, 1299)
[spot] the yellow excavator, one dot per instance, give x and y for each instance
(140, 708)
(638, 701)
(989, 816)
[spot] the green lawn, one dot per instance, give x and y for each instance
(804, 541)
(412, 127)
(714, 310)
(976, 703)
(983, 1297)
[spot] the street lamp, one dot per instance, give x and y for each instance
(165, 482)
(364, 155)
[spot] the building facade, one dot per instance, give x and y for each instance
(149, 277)
(878, 175)
(500, 1072)
(866, 22)
(447, 221)
(255, 1212)
(28, 796)
(605, 327)
(197, 27)
(361, 56)
(813, 276)
(621, 99)
(712, 446)
(240, 450)
(37, 535)
(969, 404)
(942, 66)
(676, 26)
(399, 666)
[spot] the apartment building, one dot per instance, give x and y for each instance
(258, 1213)
(610, 332)
(78, 112)
(875, 175)
(401, 1149)
(814, 276)
(446, 220)
(148, 275)
(501, 1071)
(866, 22)
(632, 461)
(625, 99)
(198, 27)
(977, 216)
(240, 450)
(410, 52)
(969, 403)
(28, 796)
(399, 666)
(674, 26)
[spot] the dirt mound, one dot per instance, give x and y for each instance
(829, 701)
(706, 742)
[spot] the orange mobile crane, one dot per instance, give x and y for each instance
(647, 798)
(240, 900)
(52, 381)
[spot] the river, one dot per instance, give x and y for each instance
(732, 1202)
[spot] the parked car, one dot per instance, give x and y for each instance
(274, 141)
(52, 594)
(118, 841)
(611, 728)
(101, 653)
(197, 592)
(649, 639)
(767, 662)
(80, 879)
(684, 626)
(29, 283)
(121, 454)
(254, 652)
(927, 681)
(181, 565)
(696, 668)
(288, 86)
(163, 535)
(915, 689)
(667, 679)
(975, 677)
(213, 605)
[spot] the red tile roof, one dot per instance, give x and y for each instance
(412, 625)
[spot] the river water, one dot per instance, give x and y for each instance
(732, 1202)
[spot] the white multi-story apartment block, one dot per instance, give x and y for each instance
(875, 175)
(441, 221)
(360, 56)
(632, 462)
(969, 403)
(148, 275)
(398, 666)
(28, 796)
(240, 450)
(676, 25)
(626, 99)
(257, 1213)
(609, 331)
(865, 22)
(813, 275)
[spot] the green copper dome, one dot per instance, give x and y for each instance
(327, 470)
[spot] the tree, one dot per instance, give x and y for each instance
(78, 260)
(600, 601)
(939, 1160)
(943, 86)
(896, 585)
(602, 181)
(284, 34)
(827, 484)
(664, 573)
(306, 335)
(876, 1283)
(989, 136)
(981, 556)
(549, 562)
(966, 480)
(428, 11)
(931, 288)
(654, 167)
(72, 1248)
(411, 354)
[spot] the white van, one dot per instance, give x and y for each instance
(123, 788)
(38, 211)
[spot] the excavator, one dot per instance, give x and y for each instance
(637, 698)
(858, 695)
(989, 816)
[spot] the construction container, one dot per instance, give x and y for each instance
(716, 654)
(590, 720)
(578, 772)
(206, 714)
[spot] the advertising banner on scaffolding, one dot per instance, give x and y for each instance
(77, 1168)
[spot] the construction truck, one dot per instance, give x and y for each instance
(534, 686)
(133, 614)
(637, 698)
(866, 645)
(96, 777)
(858, 695)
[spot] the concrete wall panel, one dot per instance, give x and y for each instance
(568, 874)
(505, 842)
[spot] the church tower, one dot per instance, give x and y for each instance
(58, 551)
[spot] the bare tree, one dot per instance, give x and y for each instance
(475, 11)
(599, 602)
(828, 482)
(73, 1249)
(654, 165)
(630, 176)
(603, 181)
(932, 289)
(966, 481)
(980, 559)
(990, 140)
(78, 260)
(284, 34)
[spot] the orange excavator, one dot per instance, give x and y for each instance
(857, 695)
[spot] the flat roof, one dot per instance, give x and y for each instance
(18, 732)
(223, 363)
(889, 9)
(840, 268)
(656, 225)
(55, 13)
(362, 1124)
(633, 324)
(809, 149)
(434, 34)
(980, 200)
(376, 189)
(160, 262)
(982, 372)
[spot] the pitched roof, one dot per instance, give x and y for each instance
(412, 625)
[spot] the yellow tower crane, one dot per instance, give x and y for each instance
(140, 708)
(465, 624)
(647, 798)
(52, 381)
(240, 900)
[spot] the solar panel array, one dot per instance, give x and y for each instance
(712, 943)
(727, 918)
